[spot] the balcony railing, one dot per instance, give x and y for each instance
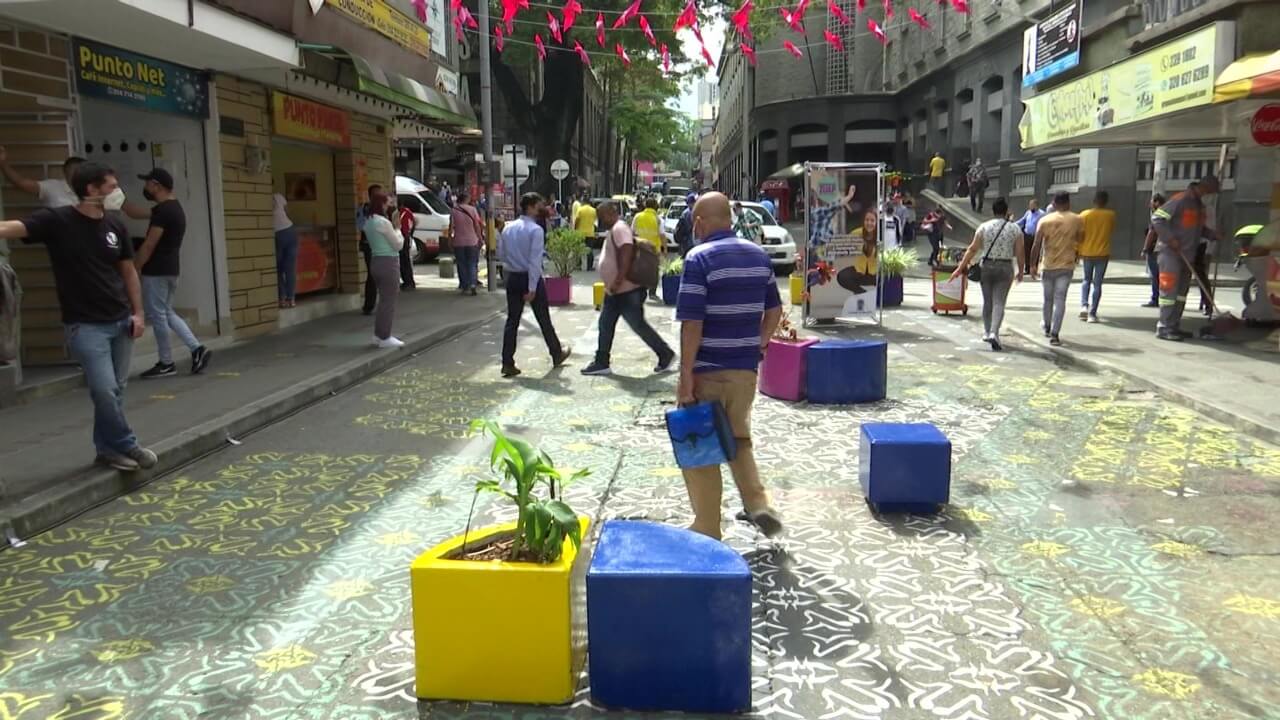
(1155, 12)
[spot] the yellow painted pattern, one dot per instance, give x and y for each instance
(469, 642)
(1167, 683)
(1252, 605)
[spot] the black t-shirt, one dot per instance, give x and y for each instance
(85, 253)
(169, 217)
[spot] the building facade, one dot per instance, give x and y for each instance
(957, 88)
(239, 100)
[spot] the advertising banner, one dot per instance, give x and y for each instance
(139, 81)
(842, 232)
(1051, 46)
(380, 17)
(1175, 76)
(436, 24)
(300, 119)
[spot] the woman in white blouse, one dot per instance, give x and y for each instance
(1000, 243)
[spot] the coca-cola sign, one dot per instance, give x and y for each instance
(1265, 125)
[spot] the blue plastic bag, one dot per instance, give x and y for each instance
(701, 435)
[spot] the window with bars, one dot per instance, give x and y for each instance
(1024, 179)
(1187, 170)
(1064, 175)
(1155, 12)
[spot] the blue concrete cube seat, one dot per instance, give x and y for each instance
(841, 372)
(668, 621)
(904, 467)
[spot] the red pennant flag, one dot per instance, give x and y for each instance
(510, 8)
(706, 55)
(469, 20)
(622, 53)
(666, 59)
(687, 18)
(791, 48)
(497, 37)
(600, 29)
(554, 26)
(457, 28)
(833, 40)
(961, 6)
(741, 19)
(648, 31)
(632, 10)
(878, 31)
(749, 52)
(570, 12)
(542, 50)
(524, 4)
(888, 9)
(697, 32)
(582, 53)
(835, 10)
(420, 9)
(792, 20)
(801, 7)
(454, 5)
(917, 18)
(862, 5)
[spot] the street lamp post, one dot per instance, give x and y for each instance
(486, 128)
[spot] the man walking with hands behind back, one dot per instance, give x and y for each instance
(728, 309)
(521, 251)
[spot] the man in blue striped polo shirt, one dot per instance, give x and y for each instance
(728, 309)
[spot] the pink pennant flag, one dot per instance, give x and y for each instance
(801, 7)
(554, 26)
(741, 19)
(749, 52)
(570, 12)
(632, 10)
(420, 9)
(666, 59)
(457, 28)
(622, 53)
(524, 4)
(687, 18)
(648, 31)
(862, 5)
(791, 19)
(888, 9)
(697, 32)
(833, 40)
(497, 37)
(878, 31)
(600, 29)
(542, 50)
(469, 20)
(835, 10)
(706, 55)
(510, 8)
(917, 18)
(582, 53)
(791, 48)
(454, 5)
(960, 6)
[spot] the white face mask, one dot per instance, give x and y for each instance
(114, 200)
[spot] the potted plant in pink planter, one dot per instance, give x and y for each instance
(565, 247)
(783, 367)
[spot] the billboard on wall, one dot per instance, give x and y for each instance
(139, 81)
(1051, 46)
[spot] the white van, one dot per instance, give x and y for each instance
(431, 214)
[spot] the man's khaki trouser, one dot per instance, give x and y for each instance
(736, 390)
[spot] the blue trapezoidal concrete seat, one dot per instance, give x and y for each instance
(904, 466)
(840, 372)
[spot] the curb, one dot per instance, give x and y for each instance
(40, 512)
(1231, 418)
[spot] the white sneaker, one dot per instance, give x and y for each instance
(1093, 318)
(391, 343)
(1084, 313)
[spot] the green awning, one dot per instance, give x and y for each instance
(435, 107)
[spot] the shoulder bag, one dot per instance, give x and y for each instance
(975, 271)
(644, 265)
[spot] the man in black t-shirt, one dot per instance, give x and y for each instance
(158, 259)
(101, 301)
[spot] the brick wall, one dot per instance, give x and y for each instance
(37, 136)
(370, 157)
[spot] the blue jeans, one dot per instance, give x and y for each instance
(1094, 270)
(286, 263)
(103, 351)
(1153, 269)
(157, 302)
(630, 307)
(467, 258)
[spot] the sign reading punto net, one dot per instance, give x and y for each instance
(139, 81)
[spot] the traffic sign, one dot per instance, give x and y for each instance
(559, 170)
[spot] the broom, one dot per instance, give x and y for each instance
(1220, 323)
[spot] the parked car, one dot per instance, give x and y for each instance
(430, 213)
(777, 241)
(667, 225)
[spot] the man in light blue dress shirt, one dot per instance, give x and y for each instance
(521, 252)
(1029, 221)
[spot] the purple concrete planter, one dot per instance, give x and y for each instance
(559, 290)
(891, 292)
(782, 370)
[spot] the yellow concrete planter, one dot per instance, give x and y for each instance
(498, 631)
(796, 284)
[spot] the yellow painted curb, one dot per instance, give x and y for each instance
(499, 631)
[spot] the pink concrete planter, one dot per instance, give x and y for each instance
(559, 290)
(782, 371)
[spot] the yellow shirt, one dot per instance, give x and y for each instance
(1099, 223)
(936, 166)
(646, 227)
(584, 221)
(1059, 235)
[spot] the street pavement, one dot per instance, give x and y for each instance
(1106, 553)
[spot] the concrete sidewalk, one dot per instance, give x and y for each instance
(46, 449)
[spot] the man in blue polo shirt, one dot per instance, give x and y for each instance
(728, 309)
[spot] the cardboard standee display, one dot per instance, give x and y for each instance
(844, 225)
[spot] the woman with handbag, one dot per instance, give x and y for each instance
(1003, 249)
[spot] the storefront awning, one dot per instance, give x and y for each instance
(433, 106)
(1255, 76)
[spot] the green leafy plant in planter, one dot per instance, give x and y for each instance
(897, 261)
(672, 271)
(543, 523)
(674, 266)
(565, 247)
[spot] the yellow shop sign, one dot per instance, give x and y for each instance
(1175, 76)
(377, 15)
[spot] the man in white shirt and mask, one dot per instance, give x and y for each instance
(52, 193)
